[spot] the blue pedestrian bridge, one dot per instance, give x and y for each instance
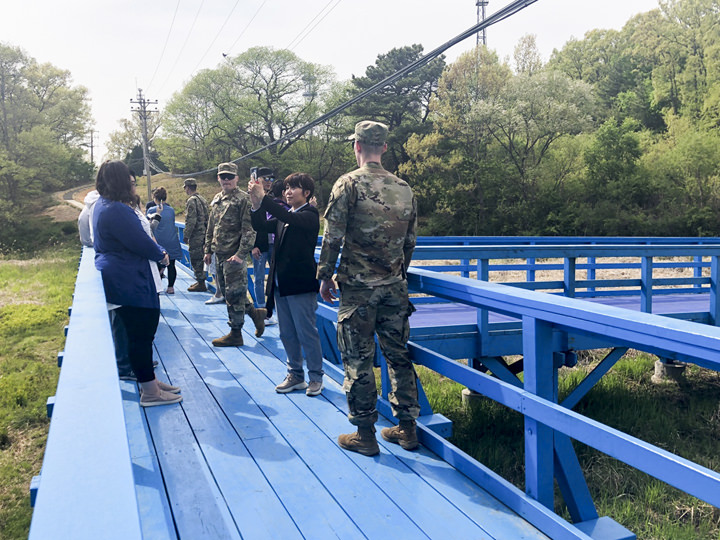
(237, 460)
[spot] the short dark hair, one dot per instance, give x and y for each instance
(372, 148)
(277, 188)
(113, 181)
(160, 194)
(302, 180)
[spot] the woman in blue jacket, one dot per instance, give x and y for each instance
(166, 233)
(123, 254)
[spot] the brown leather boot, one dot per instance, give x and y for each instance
(363, 441)
(198, 287)
(258, 318)
(404, 434)
(233, 339)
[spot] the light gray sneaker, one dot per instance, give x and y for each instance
(215, 300)
(291, 382)
(314, 388)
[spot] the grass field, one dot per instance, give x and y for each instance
(35, 293)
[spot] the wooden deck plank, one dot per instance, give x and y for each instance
(409, 491)
(155, 515)
(288, 474)
(248, 496)
(375, 514)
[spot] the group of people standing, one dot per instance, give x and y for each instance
(370, 222)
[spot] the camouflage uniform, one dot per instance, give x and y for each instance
(229, 233)
(196, 218)
(372, 215)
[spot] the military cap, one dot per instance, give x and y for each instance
(227, 168)
(369, 132)
(265, 172)
(190, 182)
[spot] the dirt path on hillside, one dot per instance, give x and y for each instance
(71, 203)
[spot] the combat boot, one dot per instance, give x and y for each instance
(258, 318)
(233, 339)
(363, 441)
(198, 287)
(404, 434)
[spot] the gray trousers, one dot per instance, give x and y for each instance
(298, 331)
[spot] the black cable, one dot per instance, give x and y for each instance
(496, 17)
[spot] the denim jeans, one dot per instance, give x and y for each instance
(259, 277)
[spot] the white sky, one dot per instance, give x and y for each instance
(114, 47)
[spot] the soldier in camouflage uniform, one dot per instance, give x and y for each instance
(372, 215)
(196, 218)
(231, 237)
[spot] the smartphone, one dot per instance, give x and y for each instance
(253, 173)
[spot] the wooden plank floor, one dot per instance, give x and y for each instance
(238, 460)
(445, 314)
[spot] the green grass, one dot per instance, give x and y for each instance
(35, 292)
(681, 418)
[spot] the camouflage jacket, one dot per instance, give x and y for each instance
(229, 230)
(372, 216)
(196, 216)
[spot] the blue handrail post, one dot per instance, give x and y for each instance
(697, 270)
(483, 274)
(591, 271)
(569, 276)
(714, 304)
(540, 380)
(646, 285)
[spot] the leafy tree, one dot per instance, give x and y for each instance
(251, 101)
(43, 123)
(527, 56)
(403, 105)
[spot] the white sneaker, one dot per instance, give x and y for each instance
(269, 321)
(215, 300)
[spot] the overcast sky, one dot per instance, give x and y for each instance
(114, 47)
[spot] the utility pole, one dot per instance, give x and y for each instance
(92, 146)
(142, 109)
(481, 5)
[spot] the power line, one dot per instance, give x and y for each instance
(502, 14)
(246, 27)
(187, 38)
(172, 23)
(217, 35)
(292, 44)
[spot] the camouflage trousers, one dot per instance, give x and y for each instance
(195, 248)
(364, 312)
(232, 282)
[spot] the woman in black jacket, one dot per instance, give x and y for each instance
(292, 286)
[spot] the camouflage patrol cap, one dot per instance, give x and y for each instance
(190, 182)
(369, 132)
(227, 168)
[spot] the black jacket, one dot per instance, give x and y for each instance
(293, 257)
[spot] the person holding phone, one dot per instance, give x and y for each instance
(231, 237)
(292, 285)
(262, 249)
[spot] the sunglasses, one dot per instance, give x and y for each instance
(227, 176)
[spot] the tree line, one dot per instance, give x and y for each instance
(616, 134)
(44, 124)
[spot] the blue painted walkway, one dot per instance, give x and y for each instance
(238, 460)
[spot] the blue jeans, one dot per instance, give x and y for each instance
(259, 277)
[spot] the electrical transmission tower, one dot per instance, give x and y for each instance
(482, 35)
(142, 109)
